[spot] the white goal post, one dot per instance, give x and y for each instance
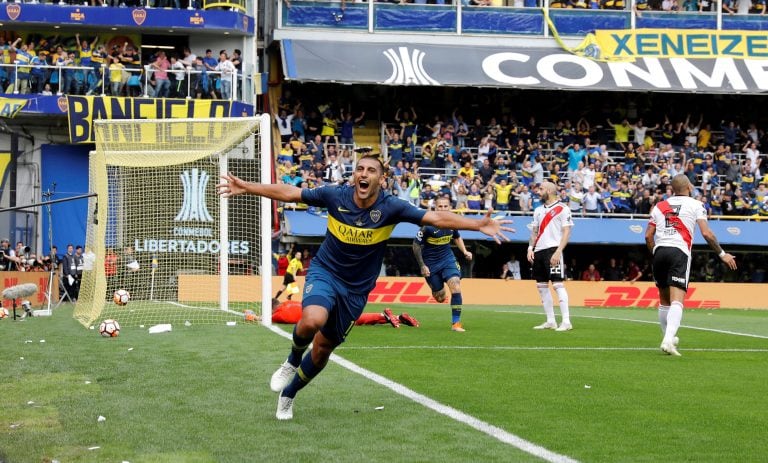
(158, 229)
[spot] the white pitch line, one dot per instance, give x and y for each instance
(205, 309)
(650, 322)
(544, 348)
(456, 415)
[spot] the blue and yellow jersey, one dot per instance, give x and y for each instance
(474, 201)
(356, 239)
(86, 54)
(503, 193)
(436, 247)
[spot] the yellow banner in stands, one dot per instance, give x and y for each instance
(83, 110)
(627, 45)
(5, 161)
(10, 107)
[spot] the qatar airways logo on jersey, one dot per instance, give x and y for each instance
(355, 235)
(408, 67)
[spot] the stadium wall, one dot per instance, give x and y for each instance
(411, 290)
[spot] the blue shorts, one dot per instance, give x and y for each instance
(344, 307)
(438, 278)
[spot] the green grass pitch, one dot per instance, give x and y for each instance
(600, 393)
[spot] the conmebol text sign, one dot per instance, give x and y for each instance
(452, 65)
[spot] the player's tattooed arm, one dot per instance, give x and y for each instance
(711, 239)
(532, 241)
(416, 246)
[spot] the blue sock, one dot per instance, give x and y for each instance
(456, 307)
(297, 349)
(307, 370)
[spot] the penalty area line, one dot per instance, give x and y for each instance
(648, 322)
(452, 413)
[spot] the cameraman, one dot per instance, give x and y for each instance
(8, 258)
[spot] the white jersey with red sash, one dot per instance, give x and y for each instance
(675, 221)
(551, 220)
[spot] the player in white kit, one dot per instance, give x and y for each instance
(669, 236)
(550, 231)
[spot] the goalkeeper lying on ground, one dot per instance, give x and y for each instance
(290, 312)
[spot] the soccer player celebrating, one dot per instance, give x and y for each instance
(432, 248)
(294, 266)
(361, 217)
(550, 231)
(669, 237)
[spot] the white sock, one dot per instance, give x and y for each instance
(674, 317)
(663, 310)
(562, 294)
(547, 302)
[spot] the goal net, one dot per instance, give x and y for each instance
(158, 229)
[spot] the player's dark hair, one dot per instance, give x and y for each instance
(378, 160)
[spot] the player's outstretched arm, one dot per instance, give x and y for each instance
(233, 186)
(711, 239)
(486, 225)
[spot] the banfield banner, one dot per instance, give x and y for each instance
(83, 110)
(412, 290)
(679, 61)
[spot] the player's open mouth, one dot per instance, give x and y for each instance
(363, 184)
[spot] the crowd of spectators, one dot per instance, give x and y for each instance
(600, 167)
(86, 66)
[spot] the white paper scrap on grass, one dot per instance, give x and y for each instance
(161, 328)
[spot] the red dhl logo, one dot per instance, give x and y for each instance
(401, 291)
(632, 296)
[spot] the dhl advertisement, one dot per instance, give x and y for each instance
(411, 290)
(628, 45)
(83, 110)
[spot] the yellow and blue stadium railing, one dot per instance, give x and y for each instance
(531, 19)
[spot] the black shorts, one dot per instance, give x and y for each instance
(543, 271)
(288, 279)
(671, 267)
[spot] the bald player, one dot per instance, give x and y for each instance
(550, 232)
(669, 237)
